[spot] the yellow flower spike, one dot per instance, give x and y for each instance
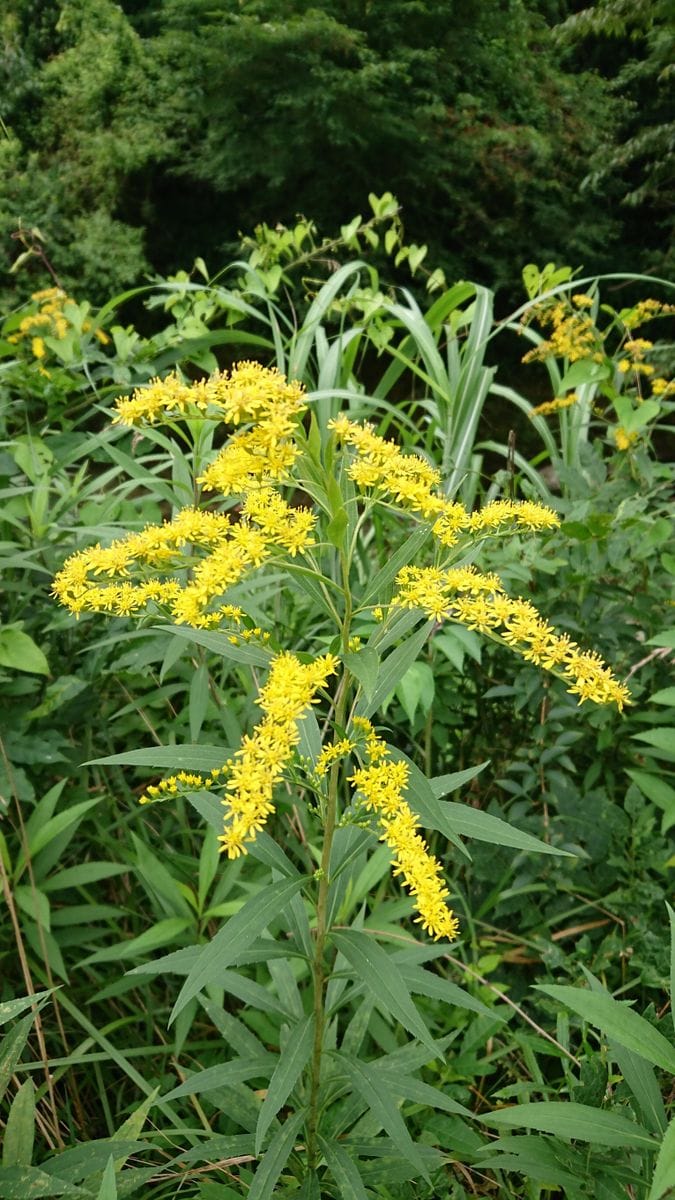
(623, 440)
(382, 785)
(331, 754)
(553, 406)
(262, 757)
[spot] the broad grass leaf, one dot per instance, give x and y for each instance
(671, 919)
(238, 1070)
(11, 1048)
(663, 1179)
(290, 1064)
(275, 1158)
(581, 1122)
(370, 1084)
(108, 1188)
(9, 1009)
(616, 1021)
(344, 1171)
(82, 874)
(24, 1183)
(238, 934)
(89, 1158)
(55, 826)
(382, 977)
(17, 1146)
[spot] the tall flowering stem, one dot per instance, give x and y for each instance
(185, 568)
(319, 974)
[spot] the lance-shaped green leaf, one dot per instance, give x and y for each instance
(219, 643)
(237, 935)
(638, 1074)
(441, 785)
(169, 758)
(474, 823)
(663, 1179)
(616, 1021)
(11, 1008)
(370, 1084)
(344, 1170)
(22, 1183)
(376, 590)
(274, 1159)
(426, 983)
(382, 977)
(392, 669)
(17, 1147)
(108, 1188)
(409, 1088)
(580, 1122)
(11, 1048)
(671, 917)
(424, 803)
(364, 665)
(290, 1064)
(239, 1070)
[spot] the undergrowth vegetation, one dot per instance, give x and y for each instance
(301, 574)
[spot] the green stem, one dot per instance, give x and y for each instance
(319, 975)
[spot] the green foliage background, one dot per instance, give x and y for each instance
(510, 130)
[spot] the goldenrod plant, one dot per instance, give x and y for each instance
(368, 536)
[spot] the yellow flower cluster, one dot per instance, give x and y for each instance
(260, 761)
(622, 439)
(637, 367)
(572, 332)
(249, 393)
(331, 754)
(382, 784)
(663, 387)
(374, 747)
(49, 321)
(267, 523)
(433, 589)
(184, 781)
(407, 479)
(643, 311)
(412, 483)
(258, 765)
(500, 514)
(553, 406)
(483, 606)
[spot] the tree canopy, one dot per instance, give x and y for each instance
(139, 136)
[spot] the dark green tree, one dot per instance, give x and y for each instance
(632, 44)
